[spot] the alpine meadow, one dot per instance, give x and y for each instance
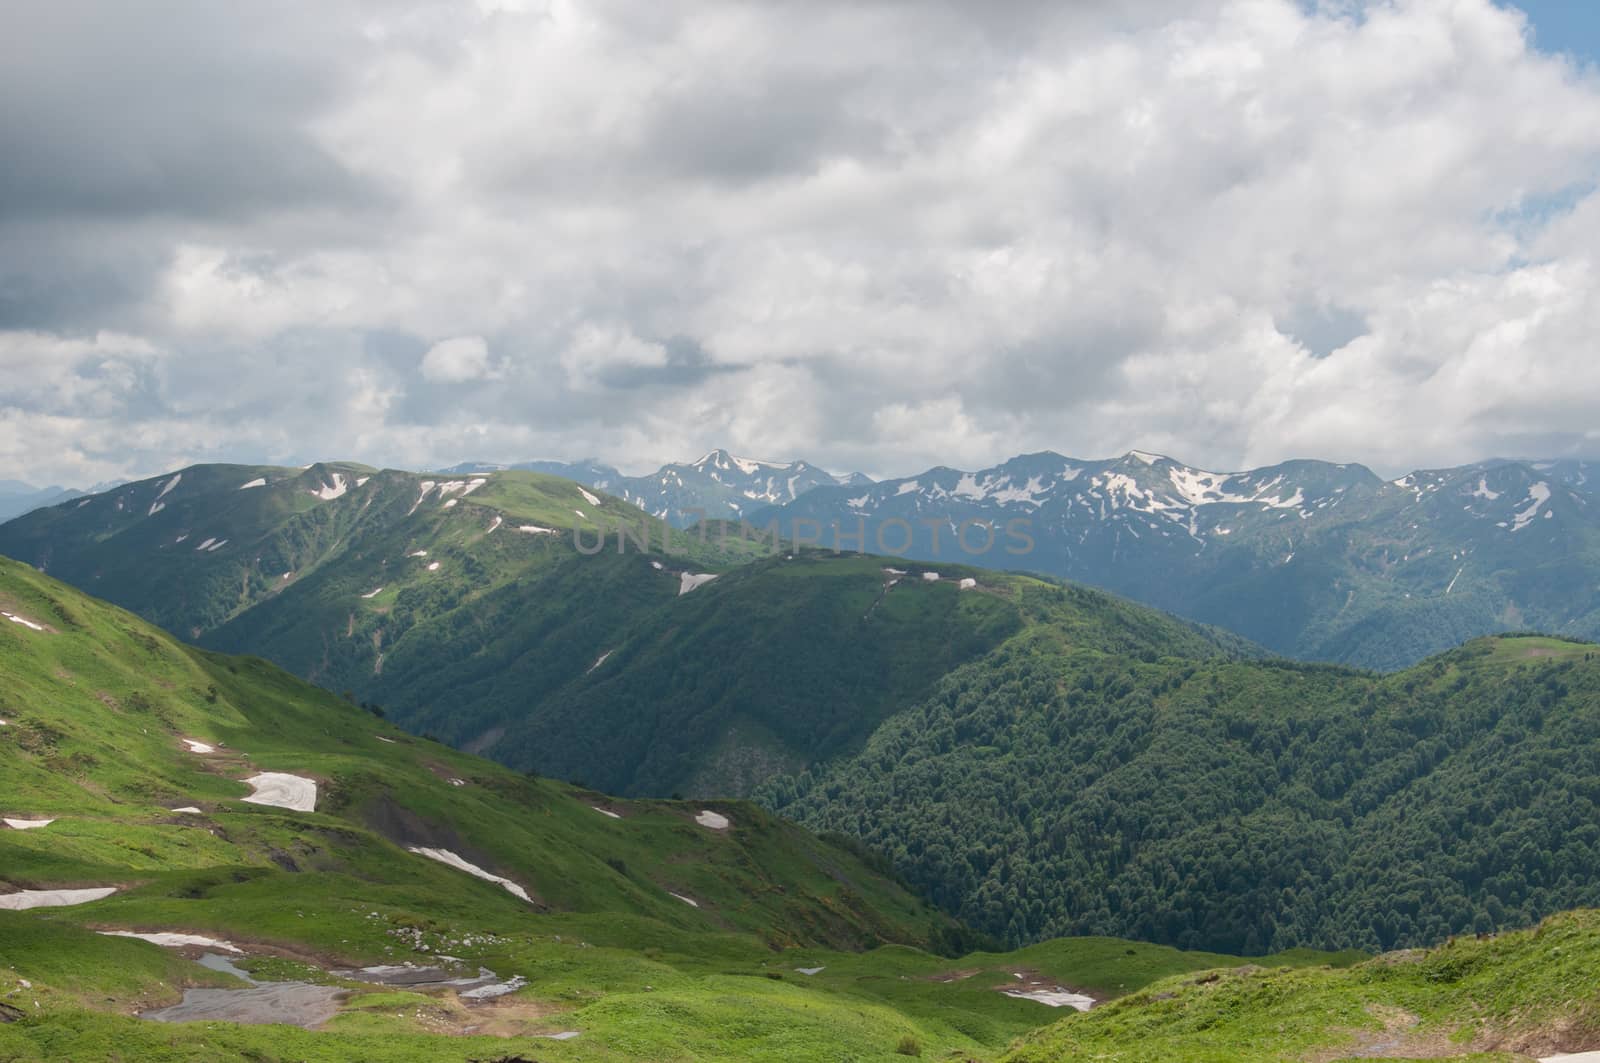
(686, 532)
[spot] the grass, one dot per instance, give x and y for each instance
(1518, 995)
(96, 706)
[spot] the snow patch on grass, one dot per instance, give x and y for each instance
(591, 499)
(282, 790)
(259, 481)
(24, 621)
(712, 820)
(27, 824)
(174, 940)
(445, 856)
(1054, 998)
(25, 899)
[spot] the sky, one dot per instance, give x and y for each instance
(874, 234)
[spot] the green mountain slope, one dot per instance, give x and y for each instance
(1239, 806)
(481, 611)
(135, 748)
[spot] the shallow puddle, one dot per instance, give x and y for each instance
(290, 1003)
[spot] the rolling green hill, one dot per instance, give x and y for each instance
(648, 929)
(1243, 806)
(477, 610)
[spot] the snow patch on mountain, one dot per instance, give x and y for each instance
(1538, 495)
(328, 492)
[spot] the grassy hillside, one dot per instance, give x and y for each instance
(477, 610)
(1518, 996)
(101, 713)
(1236, 805)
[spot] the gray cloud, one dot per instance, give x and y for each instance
(877, 235)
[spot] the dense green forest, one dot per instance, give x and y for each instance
(1239, 806)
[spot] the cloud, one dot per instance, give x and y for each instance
(459, 359)
(1234, 231)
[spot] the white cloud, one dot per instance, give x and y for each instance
(1233, 231)
(458, 359)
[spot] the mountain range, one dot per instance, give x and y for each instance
(203, 840)
(273, 872)
(1039, 758)
(719, 486)
(1314, 560)
(17, 498)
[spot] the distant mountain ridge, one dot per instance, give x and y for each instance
(719, 486)
(18, 498)
(1309, 558)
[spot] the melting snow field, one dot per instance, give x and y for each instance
(810, 970)
(690, 901)
(329, 492)
(27, 824)
(24, 621)
(281, 790)
(605, 812)
(1055, 998)
(445, 856)
(174, 941)
(688, 581)
(373, 593)
(188, 810)
(592, 500)
(713, 820)
(1538, 495)
(197, 747)
(24, 899)
(257, 482)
